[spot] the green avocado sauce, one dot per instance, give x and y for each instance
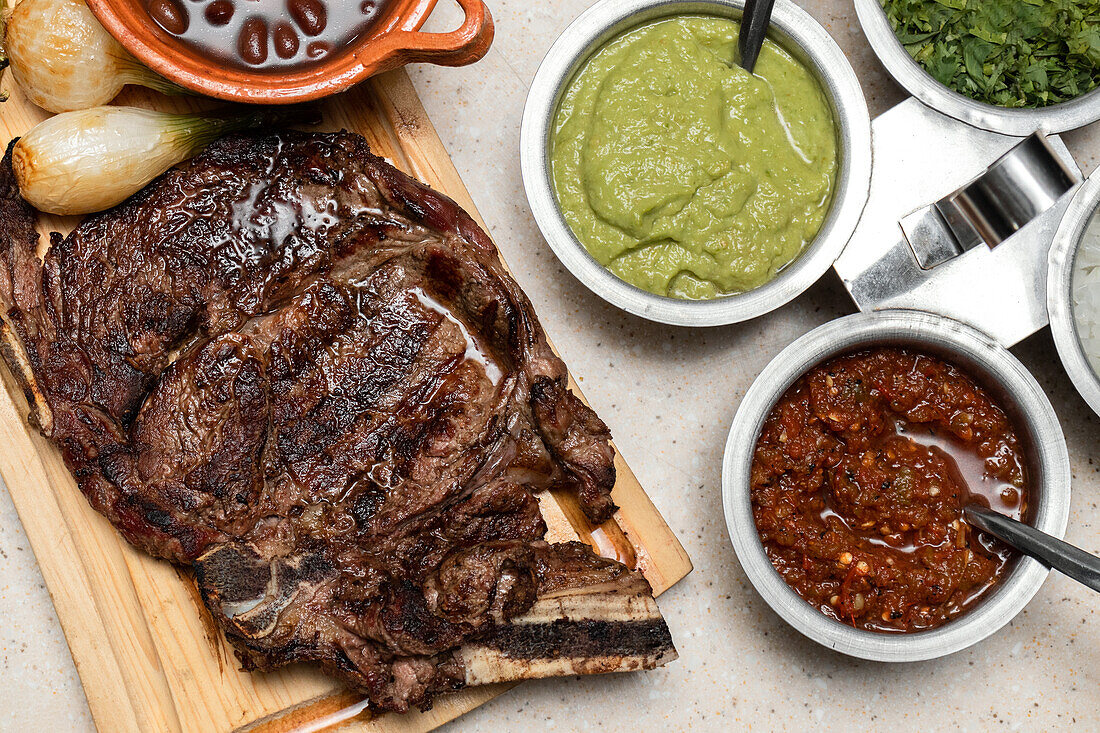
(684, 174)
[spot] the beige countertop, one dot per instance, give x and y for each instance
(739, 663)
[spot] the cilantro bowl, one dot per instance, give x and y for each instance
(1054, 118)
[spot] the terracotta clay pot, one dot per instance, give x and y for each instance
(392, 41)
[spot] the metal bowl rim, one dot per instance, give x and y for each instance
(843, 335)
(909, 74)
(1060, 272)
(579, 40)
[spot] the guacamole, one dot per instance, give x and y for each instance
(684, 174)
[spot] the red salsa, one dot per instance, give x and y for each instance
(858, 483)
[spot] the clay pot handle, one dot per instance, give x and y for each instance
(465, 45)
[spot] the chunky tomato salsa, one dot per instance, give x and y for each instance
(859, 480)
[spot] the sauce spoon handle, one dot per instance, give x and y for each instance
(1052, 552)
(754, 28)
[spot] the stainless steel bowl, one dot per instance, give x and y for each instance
(998, 372)
(1063, 324)
(918, 82)
(803, 38)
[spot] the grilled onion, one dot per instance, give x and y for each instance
(64, 60)
(89, 160)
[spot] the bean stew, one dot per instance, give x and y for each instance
(266, 34)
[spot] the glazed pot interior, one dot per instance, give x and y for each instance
(397, 14)
(130, 22)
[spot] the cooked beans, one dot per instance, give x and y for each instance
(274, 34)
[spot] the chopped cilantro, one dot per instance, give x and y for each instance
(1010, 53)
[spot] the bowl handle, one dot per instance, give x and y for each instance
(464, 45)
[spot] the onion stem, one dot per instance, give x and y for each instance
(194, 131)
(136, 73)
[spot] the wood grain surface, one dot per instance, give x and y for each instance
(146, 650)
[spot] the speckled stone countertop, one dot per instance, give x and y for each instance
(739, 664)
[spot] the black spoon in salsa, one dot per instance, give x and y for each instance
(1050, 551)
(1054, 553)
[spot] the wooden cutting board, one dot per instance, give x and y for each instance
(146, 649)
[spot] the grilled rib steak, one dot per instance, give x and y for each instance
(308, 377)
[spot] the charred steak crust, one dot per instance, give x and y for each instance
(308, 377)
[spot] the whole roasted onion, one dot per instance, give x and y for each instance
(92, 159)
(64, 60)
